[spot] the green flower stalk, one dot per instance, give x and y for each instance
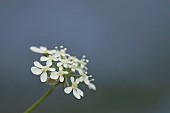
(38, 102)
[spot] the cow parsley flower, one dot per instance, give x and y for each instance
(39, 69)
(73, 67)
(84, 78)
(59, 74)
(63, 62)
(49, 58)
(62, 68)
(62, 52)
(76, 91)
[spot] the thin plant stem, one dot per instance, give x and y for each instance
(66, 79)
(38, 102)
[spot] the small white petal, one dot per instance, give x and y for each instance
(54, 72)
(80, 71)
(52, 51)
(73, 70)
(80, 92)
(37, 64)
(72, 79)
(75, 93)
(57, 54)
(51, 69)
(86, 81)
(59, 64)
(82, 66)
(60, 68)
(43, 77)
(92, 86)
(81, 79)
(77, 81)
(60, 59)
(35, 49)
(65, 72)
(43, 48)
(61, 78)
(43, 58)
(55, 59)
(54, 76)
(68, 90)
(65, 65)
(36, 70)
(49, 63)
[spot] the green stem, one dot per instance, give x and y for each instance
(66, 79)
(38, 102)
(55, 65)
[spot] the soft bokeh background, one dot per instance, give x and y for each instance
(127, 42)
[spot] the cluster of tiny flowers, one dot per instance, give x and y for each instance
(62, 68)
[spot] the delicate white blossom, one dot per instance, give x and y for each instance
(49, 58)
(60, 74)
(73, 59)
(84, 78)
(82, 63)
(38, 69)
(76, 91)
(73, 67)
(63, 62)
(62, 52)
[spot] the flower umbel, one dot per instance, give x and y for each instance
(62, 68)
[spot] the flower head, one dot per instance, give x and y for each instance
(62, 68)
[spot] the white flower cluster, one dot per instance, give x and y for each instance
(62, 68)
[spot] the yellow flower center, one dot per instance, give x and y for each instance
(74, 85)
(45, 68)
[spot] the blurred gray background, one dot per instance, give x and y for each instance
(127, 42)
